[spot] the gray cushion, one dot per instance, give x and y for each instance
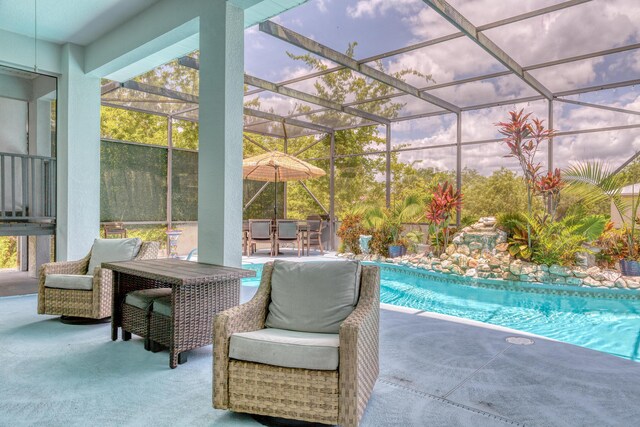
(291, 349)
(113, 250)
(162, 306)
(144, 297)
(313, 296)
(69, 281)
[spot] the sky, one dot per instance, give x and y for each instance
(382, 25)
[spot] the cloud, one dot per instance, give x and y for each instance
(373, 8)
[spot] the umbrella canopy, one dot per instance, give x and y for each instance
(275, 166)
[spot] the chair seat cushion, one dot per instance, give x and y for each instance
(113, 250)
(163, 305)
(69, 281)
(313, 296)
(290, 349)
(143, 298)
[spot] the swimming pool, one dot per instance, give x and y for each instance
(609, 325)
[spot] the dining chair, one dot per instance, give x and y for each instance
(287, 232)
(259, 232)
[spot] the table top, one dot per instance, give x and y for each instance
(178, 272)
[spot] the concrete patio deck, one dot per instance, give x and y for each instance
(435, 370)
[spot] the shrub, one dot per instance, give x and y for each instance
(350, 231)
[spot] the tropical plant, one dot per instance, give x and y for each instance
(558, 242)
(613, 245)
(595, 182)
(350, 230)
(380, 241)
(517, 227)
(444, 202)
(392, 219)
(523, 138)
(413, 239)
(549, 186)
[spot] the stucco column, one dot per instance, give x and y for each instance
(220, 143)
(78, 157)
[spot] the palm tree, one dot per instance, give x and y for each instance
(595, 182)
(394, 217)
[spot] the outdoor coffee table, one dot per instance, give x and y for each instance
(198, 291)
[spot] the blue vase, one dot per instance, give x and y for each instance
(396, 251)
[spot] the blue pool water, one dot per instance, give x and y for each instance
(609, 325)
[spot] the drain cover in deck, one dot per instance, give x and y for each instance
(519, 340)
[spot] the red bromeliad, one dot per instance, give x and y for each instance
(440, 210)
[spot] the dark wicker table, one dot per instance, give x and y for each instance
(198, 291)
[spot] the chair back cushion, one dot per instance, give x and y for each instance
(287, 229)
(313, 296)
(260, 229)
(113, 250)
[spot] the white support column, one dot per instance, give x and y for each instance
(78, 157)
(220, 146)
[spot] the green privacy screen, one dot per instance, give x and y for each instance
(184, 200)
(133, 186)
(133, 182)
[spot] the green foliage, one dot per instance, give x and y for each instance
(515, 224)
(595, 182)
(350, 230)
(558, 242)
(150, 233)
(380, 241)
(8, 252)
(394, 218)
(502, 191)
(552, 242)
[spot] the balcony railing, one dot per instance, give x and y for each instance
(27, 188)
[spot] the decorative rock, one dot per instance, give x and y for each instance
(620, 283)
(543, 267)
(596, 274)
(484, 267)
(632, 284)
(451, 249)
(588, 281)
(494, 262)
(444, 256)
(475, 246)
(559, 270)
(502, 247)
(472, 263)
(611, 275)
(458, 239)
(471, 272)
(460, 260)
(574, 281)
(528, 268)
(509, 276)
(558, 280)
(580, 273)
(457, 270)
(607, 284)
(515, 267)
(464, 250)
(446, 265)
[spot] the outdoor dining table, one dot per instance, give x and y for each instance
(198, 292)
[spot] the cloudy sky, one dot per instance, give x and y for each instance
(382, 25)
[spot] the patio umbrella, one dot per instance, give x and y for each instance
(276, 166)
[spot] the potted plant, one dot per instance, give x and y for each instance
(392, 220)
(444, 202)
(594, 182)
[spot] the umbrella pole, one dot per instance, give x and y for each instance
(275, 194)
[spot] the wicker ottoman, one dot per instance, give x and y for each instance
(160, 324)
(136, 310)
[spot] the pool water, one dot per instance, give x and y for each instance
(609, 325)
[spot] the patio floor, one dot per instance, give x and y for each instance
(435, 370)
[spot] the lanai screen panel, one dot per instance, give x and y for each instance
(145, 101)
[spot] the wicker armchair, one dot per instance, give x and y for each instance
(331, 397)
(94, 303)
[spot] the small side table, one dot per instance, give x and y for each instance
(198, 292)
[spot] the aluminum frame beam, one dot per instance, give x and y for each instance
(601, 107)
(495, 24)
(454, 17)
(298, 40)
(280, 89)
(293, 122)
